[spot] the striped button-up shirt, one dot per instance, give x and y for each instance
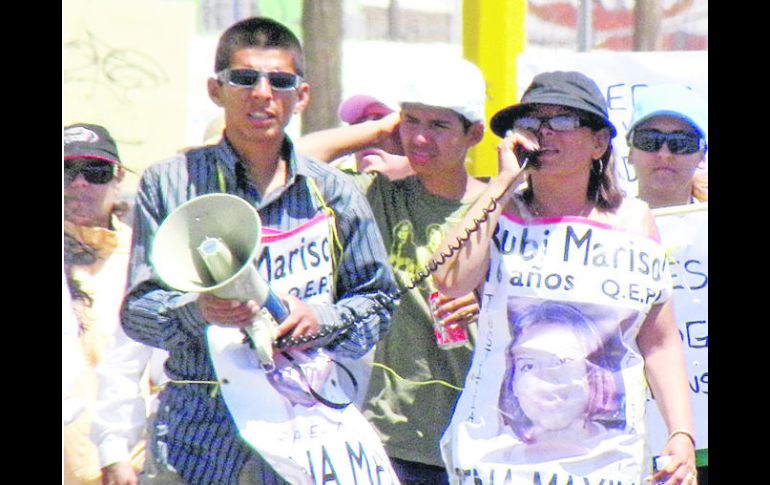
(196, 435)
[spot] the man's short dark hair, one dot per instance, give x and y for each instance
(262, 33)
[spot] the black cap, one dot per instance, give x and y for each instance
(84, 140)
(562, 88)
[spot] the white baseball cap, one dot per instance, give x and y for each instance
(669, 99)
(455, 84)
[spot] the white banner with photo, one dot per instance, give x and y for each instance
(309, 441)
(556, 390)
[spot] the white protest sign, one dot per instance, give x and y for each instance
(295, 416)
(619, 75)
(306, 442)
(684, 232)
(556, 390)
(300, 266)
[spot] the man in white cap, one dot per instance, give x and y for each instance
(441, 118)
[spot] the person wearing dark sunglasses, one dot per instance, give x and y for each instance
(96, 247)
(334, 301)
(553, 226)
(91, 175)
(667, 142)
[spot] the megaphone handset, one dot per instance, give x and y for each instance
(262, 332)
(222, 265)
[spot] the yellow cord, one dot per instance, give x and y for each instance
(221, 180)
(332, 224)
(418, 383)
(325, 208)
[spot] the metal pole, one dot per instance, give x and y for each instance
(494, 35)
(584, 26)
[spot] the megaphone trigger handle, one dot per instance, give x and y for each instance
(261, 332)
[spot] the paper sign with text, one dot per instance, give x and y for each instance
(684, 232)
(306, 440)
(556, 390)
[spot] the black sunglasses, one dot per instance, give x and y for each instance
(94, 171)
(678, 143)
(249, 78)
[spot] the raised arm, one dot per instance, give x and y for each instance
(331, 144)
(463, 269)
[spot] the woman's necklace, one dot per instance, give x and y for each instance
(535, 209)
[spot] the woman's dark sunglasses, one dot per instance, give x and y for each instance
(678, 143)
(94, 171)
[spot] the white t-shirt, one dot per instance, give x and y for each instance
(557, 387)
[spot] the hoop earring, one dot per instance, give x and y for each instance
(601, 165)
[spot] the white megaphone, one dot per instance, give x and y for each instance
(209, 244)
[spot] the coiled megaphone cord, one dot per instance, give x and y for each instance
(348, 322)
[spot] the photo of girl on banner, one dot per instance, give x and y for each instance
(562, 390)
(295, 378)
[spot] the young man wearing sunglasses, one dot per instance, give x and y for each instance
(258, 82)
(668, 142)
(96, 249)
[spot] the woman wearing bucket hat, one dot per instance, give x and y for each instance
(668, 139)
(554, 227)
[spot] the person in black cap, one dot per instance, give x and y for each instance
(92, 175)
(100, 445)
(554, 227)
(95, 253)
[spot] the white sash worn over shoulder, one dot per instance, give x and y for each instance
(556, 391)
(304, 440)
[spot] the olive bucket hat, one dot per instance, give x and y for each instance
(562, 88)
